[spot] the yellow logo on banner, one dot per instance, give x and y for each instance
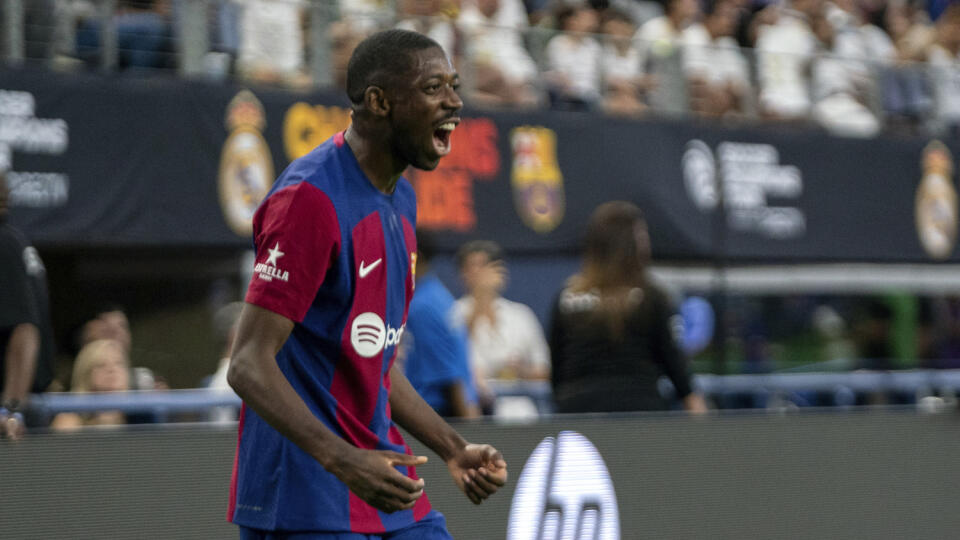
(246, 165)
(306, 126)
(536, 177)
(936, 202)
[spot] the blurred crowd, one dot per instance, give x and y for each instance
(851, 66)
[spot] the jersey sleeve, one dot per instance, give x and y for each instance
(296, 236)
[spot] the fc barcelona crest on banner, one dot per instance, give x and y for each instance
(536, 178)
(246, 165)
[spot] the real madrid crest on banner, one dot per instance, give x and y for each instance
(536, 177)
(936, 203)
(246, 166)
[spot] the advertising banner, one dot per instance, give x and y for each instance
(116, 162)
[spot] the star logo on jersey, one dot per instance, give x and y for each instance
(268, 270)
(275, 254)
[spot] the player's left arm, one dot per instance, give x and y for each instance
(479, 470)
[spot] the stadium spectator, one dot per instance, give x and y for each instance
(144, 36)
(101, 366)
(718, 76)
(225, 329)
(506, 339)
(841, 79)
(38, 30)
(944, 59)
(272, 42)
(573, 60)
(26, 336)
(784, 51)
(344, 37)
(429, 18)
(436, 358)
(624, 83)
(905, 92)
(612, 335)
(497, 64)
(658, 41)
(109, 321)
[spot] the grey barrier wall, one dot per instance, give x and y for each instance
(877, 474)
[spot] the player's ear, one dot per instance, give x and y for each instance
(375, 101)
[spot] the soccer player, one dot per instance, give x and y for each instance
(318, 454)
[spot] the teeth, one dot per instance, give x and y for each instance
(449, 126)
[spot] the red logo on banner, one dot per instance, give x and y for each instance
(445, 195)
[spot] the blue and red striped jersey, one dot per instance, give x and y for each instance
(336, 256)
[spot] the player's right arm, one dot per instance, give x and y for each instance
(257, 379)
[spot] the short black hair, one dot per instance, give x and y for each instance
(381, 57)
(492, 249)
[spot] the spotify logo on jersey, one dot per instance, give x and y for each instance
(369, 335)
(564, 493)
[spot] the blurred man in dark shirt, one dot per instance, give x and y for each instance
(26, 344)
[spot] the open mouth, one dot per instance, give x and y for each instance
(441, 137)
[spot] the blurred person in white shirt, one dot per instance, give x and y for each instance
(624, 82)
(429, 17)
(944, 59)
(573, 59)
(506, 339)
(717, 72)
(659, 37)
(497, 67)
(784, 51)
(272, 41)
(841, 80)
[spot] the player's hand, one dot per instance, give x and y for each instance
(479, 470)
(12, 425)
(371, 475)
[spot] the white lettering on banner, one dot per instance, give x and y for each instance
(750, 173)
(21, 131)
(564, 493)
(38, 190)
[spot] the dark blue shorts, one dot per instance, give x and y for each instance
(433, 526)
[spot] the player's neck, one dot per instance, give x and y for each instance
(376, 160)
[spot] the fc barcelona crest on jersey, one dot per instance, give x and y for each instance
(536, 177)
(246, 165)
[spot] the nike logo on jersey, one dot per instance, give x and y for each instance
(364, 270)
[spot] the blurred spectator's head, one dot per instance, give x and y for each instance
(617, 246)
(578, 18)
(101, 366)
(721, 17)
(823, 29)
(948, 28)
(418, 8)
(4, 197)
(617, 24)
(488, 8)
(682, 12)
(481, 266)
(108, 322)
(810, 8)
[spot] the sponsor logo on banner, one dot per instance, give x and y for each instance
(306, 126)
(564, 493)
(936, 202)
(445, 195)
(369, 335)
(536, 177)
(749, 175)
(246, 165)
(23, 132)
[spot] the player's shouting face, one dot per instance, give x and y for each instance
(426, 109)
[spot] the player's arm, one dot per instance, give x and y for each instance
(479, 470)
(21, 365)
(257, 379)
